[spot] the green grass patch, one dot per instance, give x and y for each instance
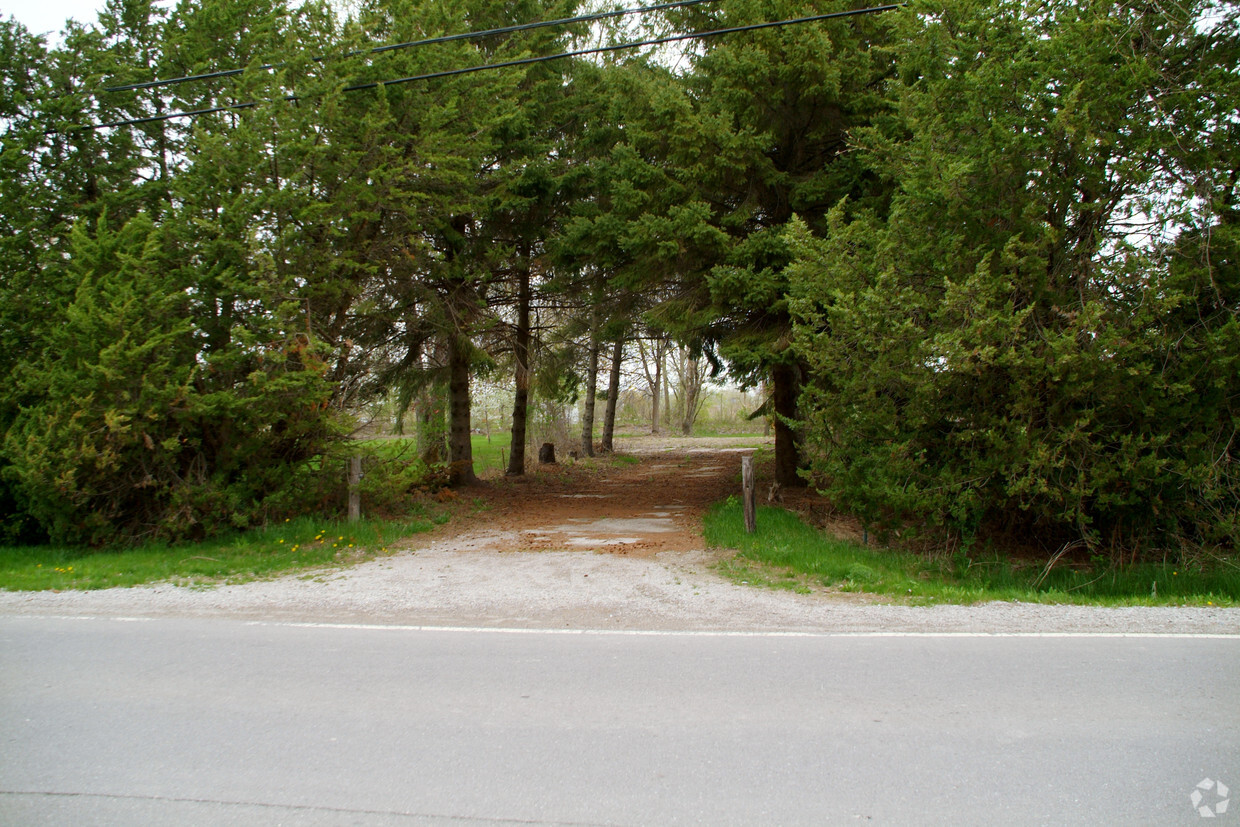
(487, 452)
(756, 436)
(491, 454)
(787, 553)
(293, 546)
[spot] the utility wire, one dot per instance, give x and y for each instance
(621, 46)
(564, 21)
(509, 63)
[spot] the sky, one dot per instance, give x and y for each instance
(41, 16)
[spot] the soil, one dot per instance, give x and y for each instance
(609, 543)
(647, 500)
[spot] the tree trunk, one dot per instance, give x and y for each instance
(667, 385)
(429, 417)
(587, 414)
(460, 446)
(691, 390)
(786, 380)
(613, 395)
(656, 398)
(521, 399)
(429, 409)
(655, 382)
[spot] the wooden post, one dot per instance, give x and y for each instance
(355, 490)
(748, 494)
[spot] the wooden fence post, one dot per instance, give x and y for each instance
(355, 489)
(748, 495)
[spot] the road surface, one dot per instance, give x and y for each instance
(108, 721)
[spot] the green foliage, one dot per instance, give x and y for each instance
(1000, 351)
(787, 553)
(300, 544)
(934, 216)
(131, 432)
(113, 372)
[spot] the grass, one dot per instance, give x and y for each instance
(296, 545)
(489, 454)
(757, 436)
(787, 553)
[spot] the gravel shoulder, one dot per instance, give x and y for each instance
(594, 546)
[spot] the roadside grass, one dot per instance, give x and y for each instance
(787, 553)
(296, 545)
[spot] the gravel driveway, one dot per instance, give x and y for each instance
(600, 546)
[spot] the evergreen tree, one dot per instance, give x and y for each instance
(716, 162)
(1003, 349)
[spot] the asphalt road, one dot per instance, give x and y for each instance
(213, 721)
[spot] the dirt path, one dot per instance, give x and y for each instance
(616, 505)
(609, 544)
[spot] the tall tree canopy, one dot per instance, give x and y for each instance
(984, 253)
(1041, 333)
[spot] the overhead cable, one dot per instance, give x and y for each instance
(430, 41)
(510, 63)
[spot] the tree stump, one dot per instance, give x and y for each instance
(546, 454)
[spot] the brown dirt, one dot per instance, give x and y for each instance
(632, 504)
(608, 545)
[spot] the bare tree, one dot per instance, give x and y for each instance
(691, 376)
(653, 355)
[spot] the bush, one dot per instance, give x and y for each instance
(134, 431)
(994, 352)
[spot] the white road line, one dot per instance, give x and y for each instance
(516, 630)
(742, 634)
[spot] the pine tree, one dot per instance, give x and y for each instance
(1003, 349)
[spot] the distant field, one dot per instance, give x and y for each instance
(490, 455)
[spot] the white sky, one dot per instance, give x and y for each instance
(43, 16)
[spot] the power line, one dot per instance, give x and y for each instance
(564, 21)
(510, 63)
(620, 47)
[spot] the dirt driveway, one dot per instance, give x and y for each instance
(649, 499)
(609, 544)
